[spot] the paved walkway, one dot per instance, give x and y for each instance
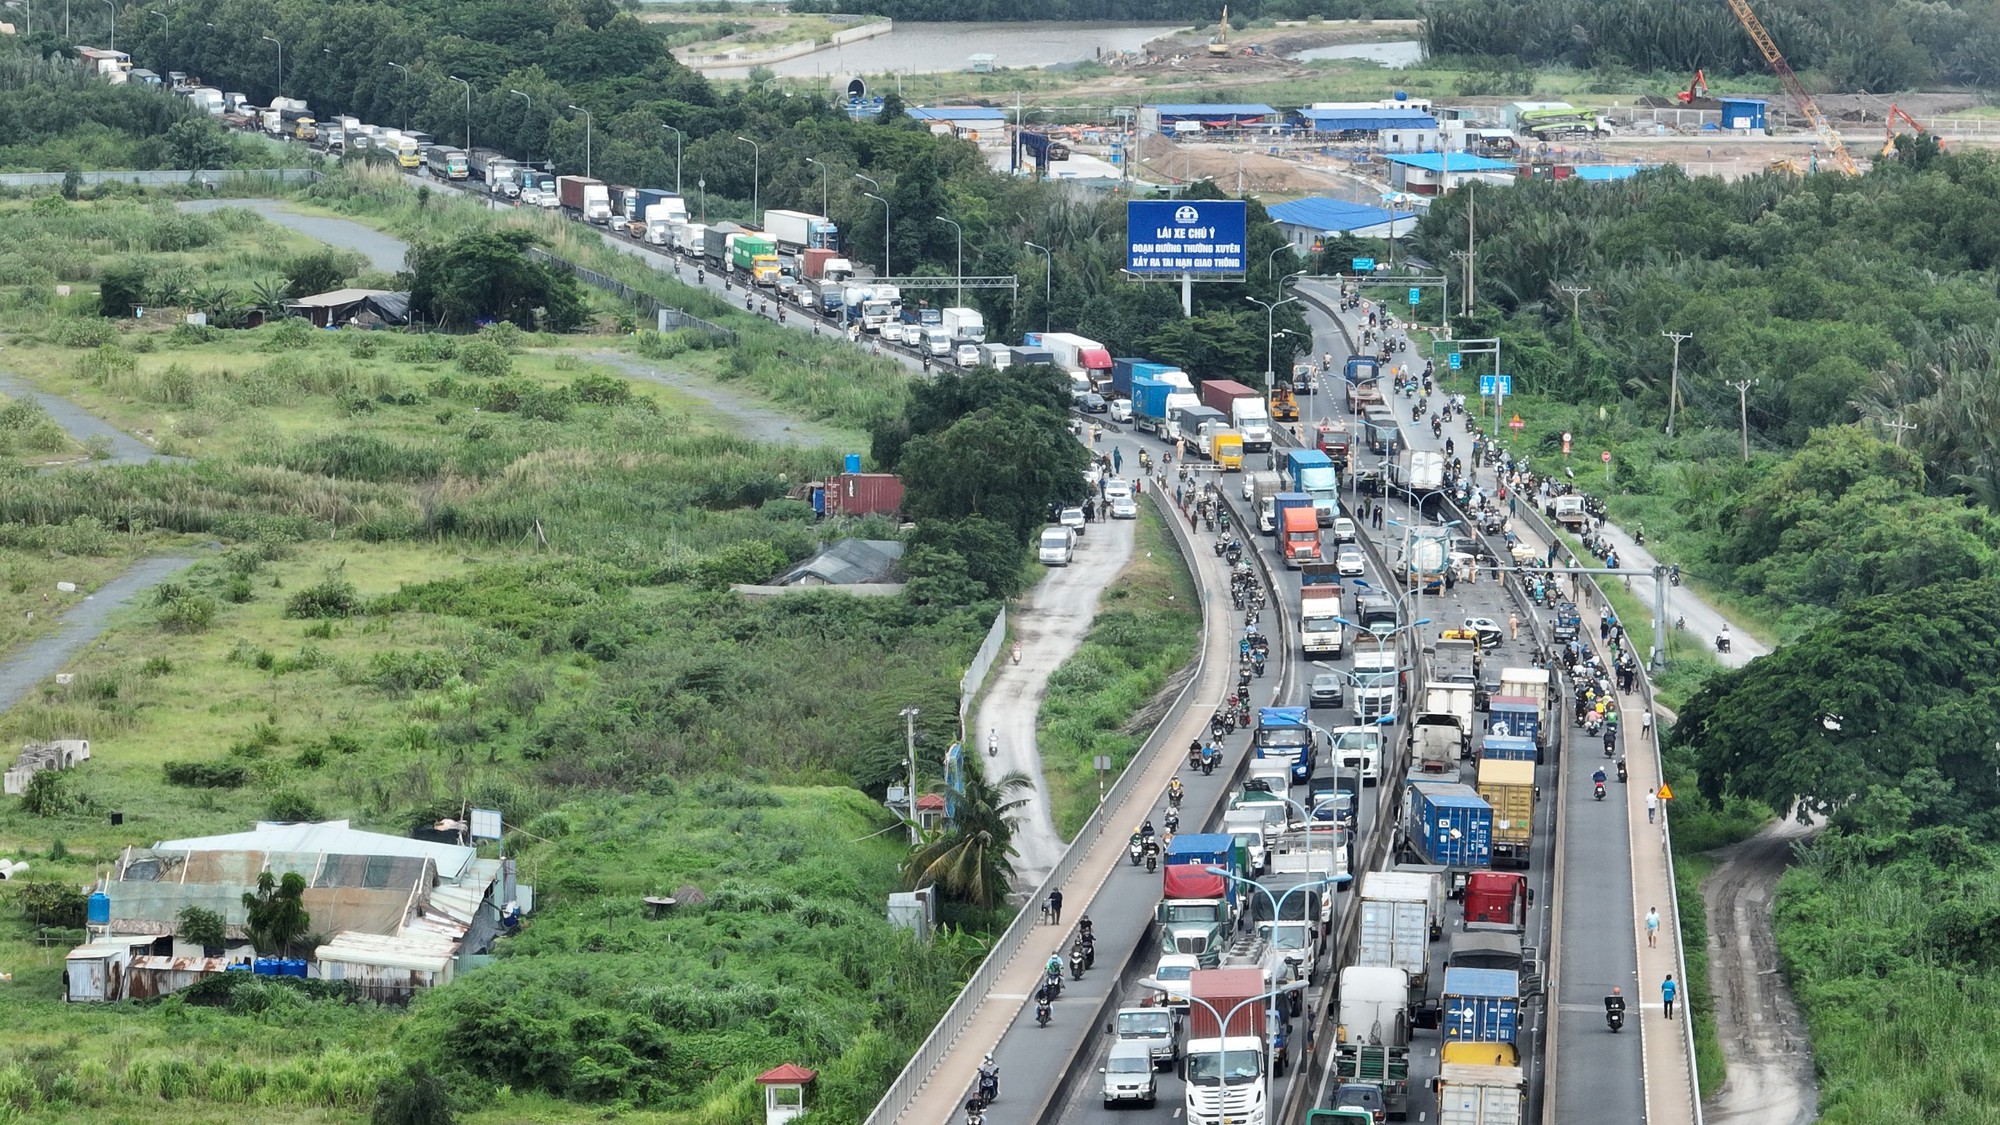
(84, 426)
(81, 624)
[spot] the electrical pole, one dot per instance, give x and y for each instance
(1674, 391)
(910, 745)
(1743, 411)
(1900, 427)
(1575, 292)
(1467, 310)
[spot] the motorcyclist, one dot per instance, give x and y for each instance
(1174, 789)
(1598, 776)
(989, 1079)
(993, 742)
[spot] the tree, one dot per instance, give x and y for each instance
(278, 916)
(487, 275)
(197, 144)
(1007, 465)
(203, 927)
(892, 109)
(970, 859)
(121, 288)
(318, 272)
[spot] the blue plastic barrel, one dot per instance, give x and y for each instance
(266, 967)
(292, 967)
(98, 911)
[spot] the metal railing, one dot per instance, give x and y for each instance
(938, 1045)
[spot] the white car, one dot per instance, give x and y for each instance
(967, 355)
(550, 201)
(1118, 498)
(1072, 518)
(1173, 975)
(532, 197)
(1121, 410)
(1343, 530)
(1350, 562)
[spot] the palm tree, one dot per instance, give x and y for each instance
(969, 859)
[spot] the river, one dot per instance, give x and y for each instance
(1396, 55)
(925, 48)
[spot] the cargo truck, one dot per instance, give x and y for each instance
(967, 326)
(1481, 1006)
(1283, 736)
(1332, 439)
(587, 199)
(1312, 852)
(1153, 1026)
(1123, 371)
(1418, 471)
(1377, 680)
(1510, 788)
(1184, 421)
(1264, 488)
(1225, 1059)
(1322, 632)
(1474, 1094)
(1193, 912)
(1361, 396)
(755, 255)
(798, 231)
(1437, 740)
(1475, 949)
(1357, 751)
(1079, 354)
(1299, 527)
(1517, 716)
(1361, 370)
(446, 163)
(1497, 902)
(691, 239)
(715, 242)
(880, 307)
(1401, 915)
(1312, 473)
(1245, 409)
(1372, 1032)
(1447, 824)
(821, 264)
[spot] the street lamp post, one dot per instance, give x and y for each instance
(756, 173)
(281, 62)
(405, 72)
(524, 97)
(1222, 1027)
(586, 139)
(468, 112)
(1048, 281)
(822, 182)
(1270, 326)
(114, 23)
(678, 138)
(960, 233)
(909, 717)
(872, 182)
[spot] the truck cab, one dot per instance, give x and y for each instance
(1299, 526)
(1283, 736)
(1359, 750)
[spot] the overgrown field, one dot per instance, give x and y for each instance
(437, 571)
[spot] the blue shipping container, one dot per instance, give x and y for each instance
(1207, 848)
(1501, 748)
(1450, 824)
(1481, 1005)
(1149, 398)
(1514, 720)
(1122, 371)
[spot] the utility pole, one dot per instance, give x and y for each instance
(1468, 250)
(910, 745)
(1743, 411)
(1674, 390)
(1575, 292)
(1900, 427)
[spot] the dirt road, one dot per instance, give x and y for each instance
(383, 252)
(1763, 1034)
(1050, 623)
(754, 420)
(84, 426)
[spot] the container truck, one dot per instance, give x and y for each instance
(1497, 902)
(1193, 911)
(1481, 1006)
(1077, 353)
(691, 239)
(715, 242)
(446, 163)
(1436, 738)
(1418, 471)
(1123, 371)
(1299, 527)
(1225, 1059)
(1401, 915)
(1312, 473)
(996, 356)
(1264, 489)
(1510, 788)
(1283, 736)
(1321, 633)
(755, 255)
(1361, 369)
(1377, 680)
(1475, 1094)
(880, 307)
(587, 198)
(1149, 404)
(967, 326)
(1517, 716)
(1184, 422)
(661, 221)
(1221, 393)
(820, 263)
(1507, 749)
(1372, 1031)
(1447, 823)
(799, 231)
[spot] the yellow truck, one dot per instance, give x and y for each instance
(1229, 451)
(1509, 786)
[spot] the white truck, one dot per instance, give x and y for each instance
(1372, 1033)
(689, 238)
(1400, 916)
(1358, 749)
(967, 325)
(1264, 488)
(661, 220)
(1253, 420)
(1470, 1094)
(795, 231)
(1321, 633)
(880, 307)
(937, 341)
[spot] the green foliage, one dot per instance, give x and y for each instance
(206, 775)
(277, 913)
(318, 271)
(292, 807)
(122, 288)
(486, 274)
(52, 904)
(749, 562)
(484, 358)
(332, 596)
(55, 793)
(201, 926)
(413, 1096)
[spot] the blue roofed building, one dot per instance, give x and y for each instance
(1304, 222)
(1604, 173)
(1434, 173)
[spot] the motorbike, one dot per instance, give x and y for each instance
(1621, 767)
(1257, 664)
(1173, 805)
(1234, 554)
(1243, 713)
(989, 1082)
(1437, 427)
(1416, 413)
(1209, 755)
(1219, 724)
(1137, 850)
(1195, 751)
(1722, 643)
(1017, 652)
(1614, 1012)
(1610, 741)
(1041, 1013)
(1076, 963)
(1089, 946)
(1172, 819)
(1600, 791)
(1221, 547)
(1152, 859)
(975, 1112)
(1229, 723)
(1674, 575)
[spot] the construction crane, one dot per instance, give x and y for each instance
(1889, 138)
(1821, 127)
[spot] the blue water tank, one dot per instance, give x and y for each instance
(266, 966)
(98, 911)
(853, 462)
(236, 967)
(292, 967)
(1402, 95)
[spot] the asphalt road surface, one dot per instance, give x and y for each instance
(83, 623)
(384, 252)
(84, 426)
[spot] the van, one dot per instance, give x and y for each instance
(1128, 1074)
(1152, 1027)
(1058, 546)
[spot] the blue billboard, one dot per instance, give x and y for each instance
(1193, 236)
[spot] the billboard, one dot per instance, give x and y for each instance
(1192, 236)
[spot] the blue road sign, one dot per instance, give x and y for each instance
(1457, 361)
(1364, 265)
(1194, 236)
(1504, 382)
(1416, 295)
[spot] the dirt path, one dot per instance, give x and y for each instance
(383, 252)
(35, 663)
(1050, 624)
(1763, 1034)
(84, 426)
(756, 422)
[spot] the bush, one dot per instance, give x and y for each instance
(52, 904)
(292, 806)
(206, 775)
(202, 927)
(332, 596)
(413, 1097)
(53, 793)
(122, 287)
(601, 388)
(485, 358)
(292, 334)
(189, 613)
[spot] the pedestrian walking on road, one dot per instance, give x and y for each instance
(1055, 907)
(1514, 626)
(1652, 805)
(1118, 461)
(1653, 927)
(1646, 724)
(1667, 990)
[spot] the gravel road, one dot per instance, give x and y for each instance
(1703, 620)
(29, 668)
(1763, 1034)
(83, 425)
(383, 252)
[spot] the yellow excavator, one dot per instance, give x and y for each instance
(1221, 44)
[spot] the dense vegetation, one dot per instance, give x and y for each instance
(1119, 11)
(1879, 46)
(52, 118)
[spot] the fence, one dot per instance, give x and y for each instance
(668, 317)
(982, 662)
(167, 177)
(1008, 946)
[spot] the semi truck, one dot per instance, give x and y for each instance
(1184, 422)
(1436, 738)
(1332, 439)
(1517, 716)
(1357, 751)
(798, 231)
(1447, 824)
(715, 242)
(585, 197)
(1263, 493)
(966, 326)
(755, 256)
(1079, 354)
(1245, 408)
(1312, 473)
(1509, 787)
(821, 264)
(1226, 1055)
(1377, 680)
(1481, 1006)
(1193, 911)
(1475, 1094)
(1298, 526)
(1283, 736)
(1321, 632)
(1418, 471)
(1123, 371)
(1497, 902)
(1401, 915)
(1372, 1031)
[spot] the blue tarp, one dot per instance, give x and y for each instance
(1324, 214)
(1457, 162)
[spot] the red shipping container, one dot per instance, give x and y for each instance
(864, 494)
(1223, 989)
(1217, 394)
(1497, 900)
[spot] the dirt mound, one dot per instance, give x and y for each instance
(1185, 163)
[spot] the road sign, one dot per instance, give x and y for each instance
(1457, 361)
(1364, 265)
(1504, 384)
(1565, 443)
(1605, 457)
(1416, 295)
(1515, 423)
(1666, 794)
(1194, 236)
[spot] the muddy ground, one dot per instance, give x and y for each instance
(1763, 1033)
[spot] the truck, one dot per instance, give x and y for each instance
(1505, 749)
(672, 209)
(1312, 473)
(1481, 1006)
(1474, 1094)
(799, 231)
(819, 263)
(206, 99)
(1371, 1031)
(1079, 354)
(1282, 735)
(1298, 526)
(660, 221)
(1437, 740)
(1379, 427)
(1221, 393)
(1321, 631)
(1244, 407)
(880, 307)
(1419, 471)
(1358, 751)
(1399, 915)
(1321, 852)
(1517, 716)
(1225, 1058)
(589, 199)
(755, 255)
(1225, 448)
(1569, 512)
(1263, 493)
(1361, 396)
(1494, 949)
(1497, 902)
(1184, 422)
(996, 356)
(967, 326)
(1153, 1026)
(1362, 370)
(1529, 683)
(1193, 911)
(1123, 371)
(691, 239)
(715, 242)
(1332, 439)
(446, 163)
(1448, 824)
(1284, 404)
(1509, 787)
(1378, 682)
